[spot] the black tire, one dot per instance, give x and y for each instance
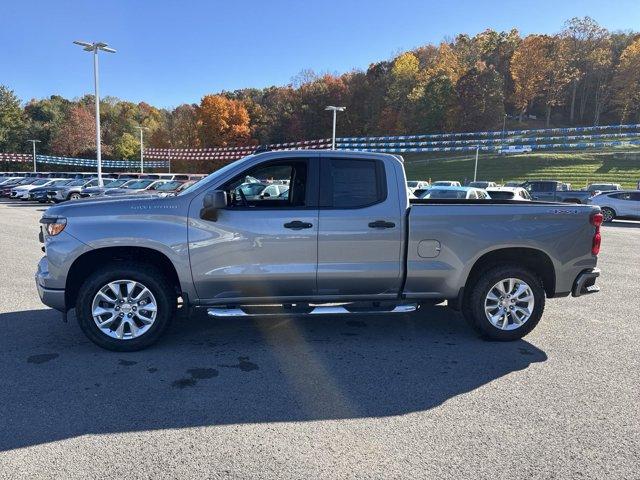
(152, 278)
(608, 214)
(477, 290)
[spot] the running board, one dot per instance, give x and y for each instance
(219, 312)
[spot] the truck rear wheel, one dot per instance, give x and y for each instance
(125, 307)
(504, 302)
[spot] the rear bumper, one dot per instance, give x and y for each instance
(585, 282)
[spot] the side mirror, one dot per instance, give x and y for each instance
(212, 202)
(265, 195)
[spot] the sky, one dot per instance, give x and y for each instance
(172, 52)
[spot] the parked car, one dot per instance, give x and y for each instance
(482, 184)
(169, 188)
(22, 192)
(554, 191)
(594, 188)
(618, 204)
(71, 191)
(134, 187)
(95, 191)
(509, 193)
(513, 149)
(355, 245)
(275, 190)
(250, 190)
(455, 193)
(5, 190)
(446, 183)
(513, 184)
(413, 185)
(39, 194)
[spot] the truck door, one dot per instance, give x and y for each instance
(263, 246)
(361, 228)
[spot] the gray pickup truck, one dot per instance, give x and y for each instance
(554, 191)
(344, 239)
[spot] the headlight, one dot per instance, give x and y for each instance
(54, 225)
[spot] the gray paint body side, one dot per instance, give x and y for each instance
(247, 255)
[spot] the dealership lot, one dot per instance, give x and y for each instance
(366, 397)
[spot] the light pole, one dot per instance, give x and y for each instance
(141, 150)
(94, 47)
(335, 111)
(475, 170)
(33, 142)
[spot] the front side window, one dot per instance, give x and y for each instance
(348, 183)
(279, 184)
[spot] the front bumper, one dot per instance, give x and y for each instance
(51, 297)
(585, 282)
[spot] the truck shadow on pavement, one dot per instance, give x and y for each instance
(57, 385)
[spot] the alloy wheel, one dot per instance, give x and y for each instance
(124, 309)
(509, 304)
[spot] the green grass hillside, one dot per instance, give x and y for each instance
(577, 168)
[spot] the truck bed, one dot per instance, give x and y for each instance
(446, 237)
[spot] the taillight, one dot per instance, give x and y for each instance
(596, 221)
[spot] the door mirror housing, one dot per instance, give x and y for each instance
(212, 202)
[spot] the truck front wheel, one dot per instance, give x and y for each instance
(125, 307)
(504, 302)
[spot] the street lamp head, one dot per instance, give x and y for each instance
(336, 109)
(92, 47)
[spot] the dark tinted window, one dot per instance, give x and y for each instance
(501, 194)
(635, 196)
(352, 183)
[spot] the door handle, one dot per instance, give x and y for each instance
(381, 224)
(298, 225)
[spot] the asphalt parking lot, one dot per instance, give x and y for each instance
(410, 396)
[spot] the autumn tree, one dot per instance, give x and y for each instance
(223, 122)
(12, 122)
(528, 76)
(77, 135)
(588, 54)
(626, 82)
(480, 99)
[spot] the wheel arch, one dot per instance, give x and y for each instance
(86, 263)
(533, 259)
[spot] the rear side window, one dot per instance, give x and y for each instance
(352, 183)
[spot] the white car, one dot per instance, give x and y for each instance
(22, 192)
(617, 204)
(456, 193)
(446, 183)
(274, 191)
(509, 193)
(413, 185)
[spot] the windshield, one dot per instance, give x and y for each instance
(440, 193)
(214, 175)
(59, 183)
(41, 181)
(77, 183)
(138, 184)
(412, 184)
(169, 186)
(115, 183)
